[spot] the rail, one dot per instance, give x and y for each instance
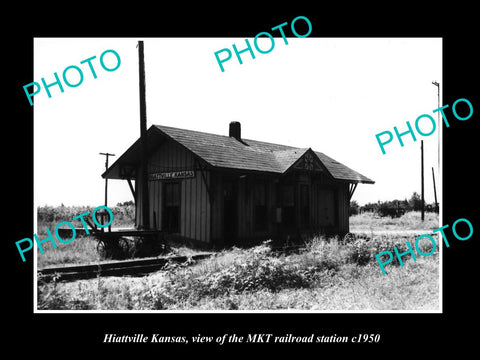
(137, 267)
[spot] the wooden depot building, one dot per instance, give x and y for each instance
(224, 190)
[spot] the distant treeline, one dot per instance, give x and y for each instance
(123, 213)
(393, 208)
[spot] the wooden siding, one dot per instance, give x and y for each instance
(328, 206)
(330, 209)
(217, 208)
(343, 209)
(194, 221)
(244, 221)
(202, 215)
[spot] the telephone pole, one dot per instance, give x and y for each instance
(423, 194)
(435, 191)
(145, 223)
(440, 132)
(438, 117)
(106, 168)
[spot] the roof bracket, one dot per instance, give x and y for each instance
(132, 189)
(204, 177)
(351, 190)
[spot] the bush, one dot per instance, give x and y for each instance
(391, 208)
(359, 252)
(252, 270)
(326, 274)
(395, 208)
(354, 208)
(362, 251)
(256, 269)
(324, 253)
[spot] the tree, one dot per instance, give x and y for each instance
(369, 207)
(415, 202)
(354, 208)
(126, 203)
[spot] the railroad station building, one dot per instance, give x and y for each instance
(221, 190)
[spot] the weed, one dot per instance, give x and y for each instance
(329, 273)
(409, 221)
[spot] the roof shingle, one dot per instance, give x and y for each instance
(228, 152)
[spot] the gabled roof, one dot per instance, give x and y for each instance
(221, 151)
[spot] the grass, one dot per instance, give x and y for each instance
(328, 275)
(82, 250)
(409, 221)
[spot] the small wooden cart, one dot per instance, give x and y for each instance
(115, 244)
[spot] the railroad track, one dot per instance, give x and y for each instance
(137, 267)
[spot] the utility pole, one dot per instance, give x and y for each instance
(423, 195)
(104, 213)
(440, 132)
(435, 191)
(438, 118)
(145, 223)
(106, 168)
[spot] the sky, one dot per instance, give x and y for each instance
(330, 94)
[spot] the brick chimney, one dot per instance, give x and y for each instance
(235, 130)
